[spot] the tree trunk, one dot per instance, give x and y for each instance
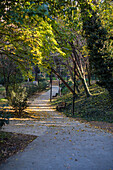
(85, 86)
(89, 74)
(50, 86)
(7, 90)
(72, 77)
(73, 106)
(36, 76)
(59, 89)
(82, 77)
(79, 67)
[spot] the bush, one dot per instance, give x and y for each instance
(18, 99)
(4, 118)
(64, 89)
(43, 84)
(32, 88)
(18, 95)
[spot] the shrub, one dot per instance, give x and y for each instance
(43, 84)
(18, 95)
(18, 99)
(32, 88)
(64, 89)
(4, 118)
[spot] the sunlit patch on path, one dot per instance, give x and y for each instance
(40, 115)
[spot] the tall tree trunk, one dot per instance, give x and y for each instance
(72, 77)
(89, 73)
(7, 90)
(50, 86)
(59, 88)
(73, 106)
(80, 69)
(83, 79)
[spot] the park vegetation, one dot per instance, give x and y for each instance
(68, 38)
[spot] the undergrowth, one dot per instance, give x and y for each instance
(98, 107)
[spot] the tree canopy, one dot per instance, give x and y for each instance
(78, 33)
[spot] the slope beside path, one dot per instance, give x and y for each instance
(62, 143)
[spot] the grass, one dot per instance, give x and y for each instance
(98, 107)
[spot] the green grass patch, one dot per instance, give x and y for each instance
(98, 107)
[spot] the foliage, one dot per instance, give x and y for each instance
(2, 90)
(9, 72)
(43, 85)
(26, 36)
(99, 45)
(18, 99)
(32, 88)
(18, 96)
(68, 33)
(38, 31)
(64, 89)
(4, 117)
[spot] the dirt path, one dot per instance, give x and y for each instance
(62, 143)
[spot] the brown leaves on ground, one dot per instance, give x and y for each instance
(108, 127)
(11, 143)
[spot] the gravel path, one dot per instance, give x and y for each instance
(62, 143)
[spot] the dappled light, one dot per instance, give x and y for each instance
(56, 84)
(39, 114)
(40, 109)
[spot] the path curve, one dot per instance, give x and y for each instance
(62, 143)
